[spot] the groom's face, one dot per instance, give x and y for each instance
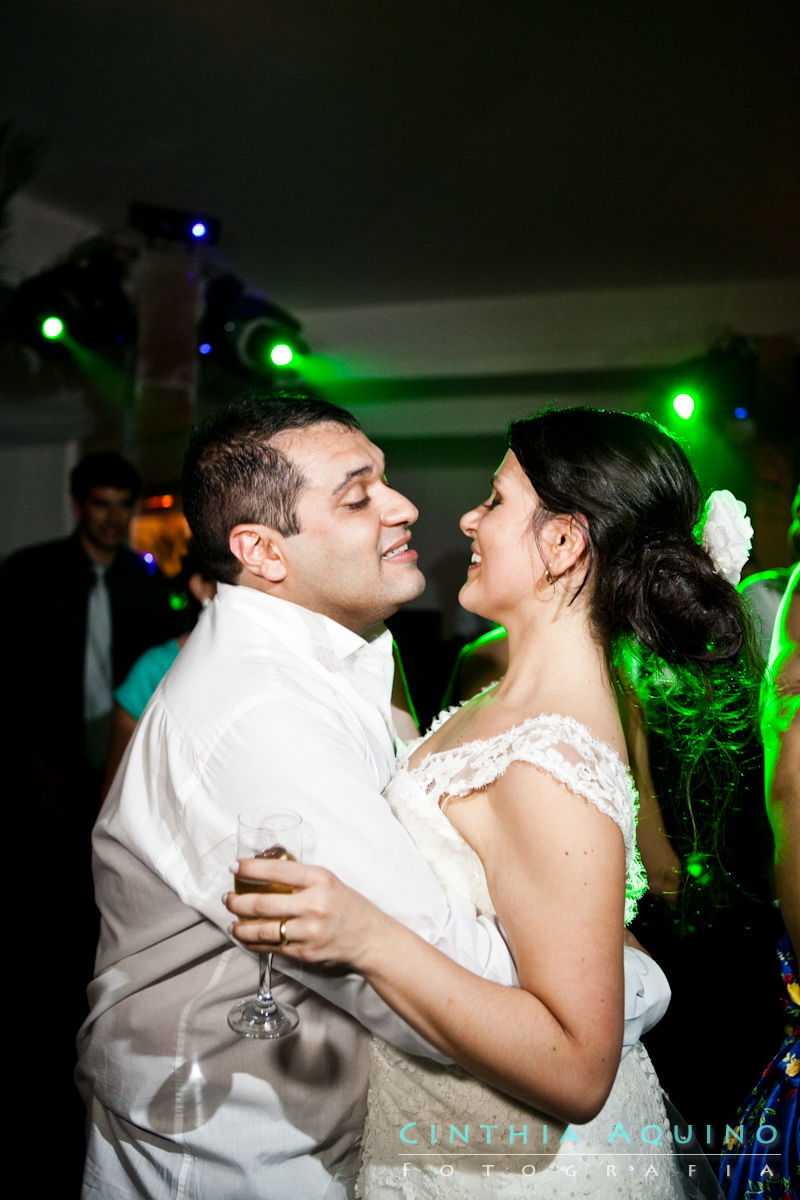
(352, 559)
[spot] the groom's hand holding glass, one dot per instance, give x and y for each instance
(272, 836)
(319, 920)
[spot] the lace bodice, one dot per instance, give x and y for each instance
(558, 745)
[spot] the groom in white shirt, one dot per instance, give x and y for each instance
(280, 699)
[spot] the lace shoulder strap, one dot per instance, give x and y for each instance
(565, 750)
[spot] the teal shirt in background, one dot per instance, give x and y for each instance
(144, 677)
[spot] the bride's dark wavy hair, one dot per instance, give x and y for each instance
(635, 495)
(668, 620)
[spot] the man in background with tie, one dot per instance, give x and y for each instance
(74, 616)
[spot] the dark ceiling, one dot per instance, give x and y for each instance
(363, 152)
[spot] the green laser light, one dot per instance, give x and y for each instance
(683, 405)
(53, 327)
(281, 354)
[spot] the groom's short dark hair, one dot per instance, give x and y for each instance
(233, 475)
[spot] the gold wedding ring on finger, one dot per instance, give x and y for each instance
(282, 938)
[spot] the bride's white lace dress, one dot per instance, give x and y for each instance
(439, 1134)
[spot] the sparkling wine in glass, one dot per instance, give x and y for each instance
(266, 834)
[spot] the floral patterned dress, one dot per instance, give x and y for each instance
(766, 1163)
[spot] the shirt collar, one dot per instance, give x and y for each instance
(330, 643)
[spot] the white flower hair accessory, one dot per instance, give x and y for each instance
(727, 534)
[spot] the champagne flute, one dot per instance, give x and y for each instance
(265, 834)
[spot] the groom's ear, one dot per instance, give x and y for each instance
(260, 550)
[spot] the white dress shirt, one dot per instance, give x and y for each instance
(267, 705)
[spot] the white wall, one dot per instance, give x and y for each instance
(34, 494)
(575, 331)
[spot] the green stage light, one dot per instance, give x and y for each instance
(264, 343)
(281, 355)
(683, 405)
(52, 327)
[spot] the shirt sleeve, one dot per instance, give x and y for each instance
(647, 996)
(314, 761)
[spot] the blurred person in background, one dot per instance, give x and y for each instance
(193, 590)
(75, 614)
(772, 1168)
(764, 590)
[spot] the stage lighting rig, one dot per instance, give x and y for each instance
(268, 341)
(248, 333)
(80, 302)
(720, 385)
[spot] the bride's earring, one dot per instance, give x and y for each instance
(550, 578)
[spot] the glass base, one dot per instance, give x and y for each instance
(252, 1020)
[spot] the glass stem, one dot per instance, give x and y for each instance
(264, 997)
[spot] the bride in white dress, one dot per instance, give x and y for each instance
(522, 800)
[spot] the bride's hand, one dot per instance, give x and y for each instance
(322, 919)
